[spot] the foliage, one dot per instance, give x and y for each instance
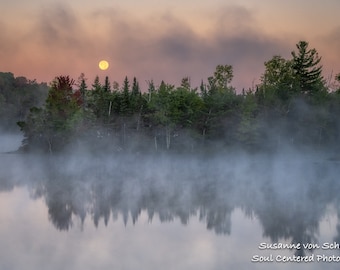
(290, 106)
(278, 80)
(51, 127)
(307, 68)
(223, 76)
(248, 132)
(17, 96)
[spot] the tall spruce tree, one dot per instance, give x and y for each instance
(125, 98)
(82, 88)
(96, 86)
(135, 96)
(107, 86)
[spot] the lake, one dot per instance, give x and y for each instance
(125, 211)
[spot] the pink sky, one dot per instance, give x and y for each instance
(167, 39)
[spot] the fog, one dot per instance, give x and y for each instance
(289, 193)
(10, 141)
(178, 186)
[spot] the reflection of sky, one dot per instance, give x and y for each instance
(161, 39)
(29, 241)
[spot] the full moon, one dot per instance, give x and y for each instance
(103, 65)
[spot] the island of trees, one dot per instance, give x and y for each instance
(292, 105)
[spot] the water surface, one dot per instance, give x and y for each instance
(166, 211)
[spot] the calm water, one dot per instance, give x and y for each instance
(141, 212)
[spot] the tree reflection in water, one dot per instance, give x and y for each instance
(288, 197)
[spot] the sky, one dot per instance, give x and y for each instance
(164, 39)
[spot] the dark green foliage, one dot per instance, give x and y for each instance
(125, 109)
(248, 131)
(136, 97)
(107, 86)
(223, 76)
(220, 107)
(52, 127)
(278, 80)
(34, 129)
(82, 91)
(17, 96)
(99, 101)
(307, 68)
(290, 107)
(61, 103)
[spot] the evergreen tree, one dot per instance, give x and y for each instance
(96, 86)
(248, 132)
(82, 89)
(61, 102)
(135, 88)
(220, 102)
(151, 89)
(94, 98)
(159, 113)
(107, 86)
(307, 69)
(135, 96)
(125, 98)
(51, 128)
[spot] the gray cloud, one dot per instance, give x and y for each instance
(61, 29)
(328, 46)
(178, 51)
(160, 46)
(235, 19)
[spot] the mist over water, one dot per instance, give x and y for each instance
(286, 196)
(10, 141)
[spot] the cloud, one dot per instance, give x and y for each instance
(157, 46)
(173, 49)
(235, 18)
(327, 45)
(8, 43)
(332, 39)
(3, 37)
(58, 26)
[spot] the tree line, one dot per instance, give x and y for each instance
(292, 104)
(17, 96)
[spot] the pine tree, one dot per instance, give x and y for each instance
(307, 68)
(61, 112)
(135, 95)
(135, 88)
(107, 86)
(125, 98)
(96, 86)
(82, 88)
(151, 89)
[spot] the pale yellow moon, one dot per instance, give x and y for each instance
(103, 65)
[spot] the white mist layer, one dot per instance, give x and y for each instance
(10, 142)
